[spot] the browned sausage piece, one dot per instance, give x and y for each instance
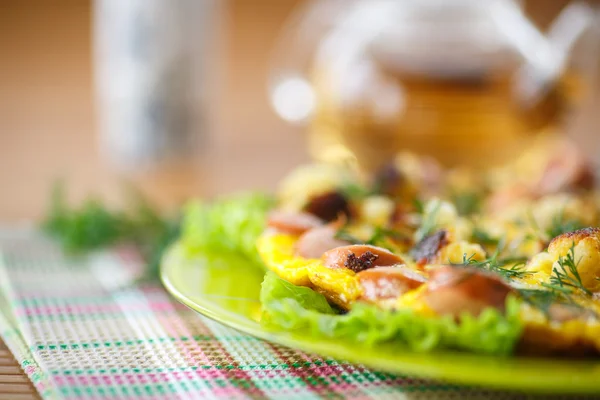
(388, 282)
(292, 223)
(328, 206)
(359, 257)
(424, 251)
(455, 290)
(315, 242)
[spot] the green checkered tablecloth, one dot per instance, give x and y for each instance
(83, 328)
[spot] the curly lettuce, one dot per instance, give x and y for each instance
(294, 308)
(231, 224)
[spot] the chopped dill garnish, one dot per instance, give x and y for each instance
(93, 225)
(566, 276)
(428, 222)
(508, 268)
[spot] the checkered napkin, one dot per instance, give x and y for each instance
(83, 328)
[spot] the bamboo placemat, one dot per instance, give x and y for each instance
(14, 384)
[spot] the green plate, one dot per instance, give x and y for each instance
(228, 291)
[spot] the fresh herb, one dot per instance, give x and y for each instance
(541, 299)
(428, 223)
(94, 226)
(566, 276)
(466, 203)
(508, 268)
(90, 227)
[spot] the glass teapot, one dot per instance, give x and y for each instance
(466, 81)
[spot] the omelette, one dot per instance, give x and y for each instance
(445, 243)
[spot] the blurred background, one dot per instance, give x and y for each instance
(59, 59)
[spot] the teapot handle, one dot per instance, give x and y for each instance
(545, 68)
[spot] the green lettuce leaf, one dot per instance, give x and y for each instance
(231, 224)
(275, 289)
(292, 308)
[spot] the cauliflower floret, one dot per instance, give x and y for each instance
(457, 252)
(585, 247)
(541, 263)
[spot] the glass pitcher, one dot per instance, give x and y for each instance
(467, 81)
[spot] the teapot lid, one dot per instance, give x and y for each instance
(441, 37)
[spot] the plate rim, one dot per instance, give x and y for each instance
(336, 350)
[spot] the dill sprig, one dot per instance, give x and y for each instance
(93, 226)
(509, 268)
(565, 276)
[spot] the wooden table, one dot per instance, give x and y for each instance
(14, 384)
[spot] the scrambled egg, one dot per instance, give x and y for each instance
(341, 286)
